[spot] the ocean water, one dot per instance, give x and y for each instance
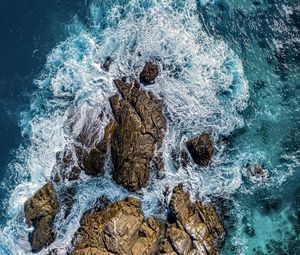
(227, 67)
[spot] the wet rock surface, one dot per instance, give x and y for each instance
(194, 228)
(119, 228)
(40, 212)
(149, 73)
(201, 149)
(138, 133)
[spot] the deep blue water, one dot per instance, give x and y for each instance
(233, 66)
(28, 31)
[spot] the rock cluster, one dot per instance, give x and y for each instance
(120, 228)
(257, 174)
(134, 134)
(40, 212)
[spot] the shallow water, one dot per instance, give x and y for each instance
(227, 67)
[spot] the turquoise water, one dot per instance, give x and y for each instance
(227, 67)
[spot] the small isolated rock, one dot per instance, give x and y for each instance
(40, 212)
(149, 73)
(257, 174)
(201, 149)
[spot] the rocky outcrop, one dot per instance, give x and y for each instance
(135, 134)
(201, 149)
(194, 228)
(119, 228)
(149, 73)
(138, 133)
(40, 212)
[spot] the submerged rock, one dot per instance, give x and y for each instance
(86, 154)
(40, 212)
(105, 66)
(119, 228)
(257, 174)
(201, 149)
(149, 73)
(194, 228)
(139, 131)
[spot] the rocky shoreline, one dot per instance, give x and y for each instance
(134, 138)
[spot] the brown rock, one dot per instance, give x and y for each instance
(139, 131)
(149, 73)
(86, 155)
(93, 162)
(195, 227)
(40, 212)
(201, 149)
(119, 228)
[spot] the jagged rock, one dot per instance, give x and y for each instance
(40, 212)
(201, 149)
(65, 167)
(194, 228)
(93, 162)
(149, 73)
(139, 131)
(119, 228)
